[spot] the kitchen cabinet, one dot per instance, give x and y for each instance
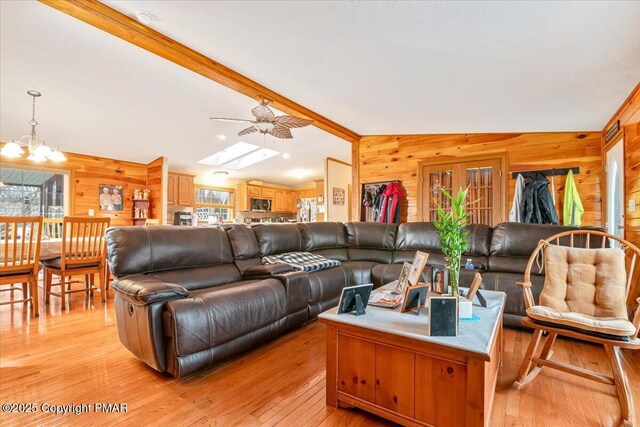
(180, 189)
(282, 200)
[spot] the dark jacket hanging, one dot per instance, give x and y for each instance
(537, 205)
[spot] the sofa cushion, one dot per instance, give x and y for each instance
(360, 271)
(243, 242)
(211, 318)
(381, 274)
(201, 277)
(370, 235)
(339, 254)
(370, 255)
(328, 284)
(587, 281)
(302, 261)
(422, 236)
(322, 235)
(479, 239)
(520, 240)
(277, 238)
(603, 325)
(141, 250)
(511, 264)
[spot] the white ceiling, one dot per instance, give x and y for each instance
(374, 67)
(424, 67)
(103, 96)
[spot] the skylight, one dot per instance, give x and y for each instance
(233, 152)
(251, 158)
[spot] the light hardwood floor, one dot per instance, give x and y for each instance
(76, 357)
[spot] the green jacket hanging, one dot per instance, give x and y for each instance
(572, 209)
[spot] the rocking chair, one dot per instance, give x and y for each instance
(585, 296)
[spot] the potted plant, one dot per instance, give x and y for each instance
(450, 223)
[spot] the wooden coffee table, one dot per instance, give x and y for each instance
(385, 363)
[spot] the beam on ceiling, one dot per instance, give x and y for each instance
(113, 22)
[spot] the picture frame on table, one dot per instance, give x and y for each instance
(415, 297)
(417, 267)
(403, 279)
(440, 280)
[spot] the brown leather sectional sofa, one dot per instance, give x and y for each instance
(187, 298)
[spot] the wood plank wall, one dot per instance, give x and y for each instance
(156, 184)
(390, 157)
(87, 173)
(629, 116)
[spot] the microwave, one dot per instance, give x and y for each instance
(261, 205)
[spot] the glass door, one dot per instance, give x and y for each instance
(482, 176)
(614, 172)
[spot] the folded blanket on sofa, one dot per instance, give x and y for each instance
(302, 261)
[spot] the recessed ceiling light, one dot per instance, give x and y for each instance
(299, 173)
(221, 137)
(286, 155)
(144, 17)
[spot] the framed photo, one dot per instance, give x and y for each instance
(403, 280)
(419, 262)
(415, 296)
(440, 280)
(354, 298)
(110, 197)
(338, 196)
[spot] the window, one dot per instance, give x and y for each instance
(29, 192)
(214, 202)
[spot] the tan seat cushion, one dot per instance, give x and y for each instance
(604, 325)
(587, 281)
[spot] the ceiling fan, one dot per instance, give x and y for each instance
(267, 123)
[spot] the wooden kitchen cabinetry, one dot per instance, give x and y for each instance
(282, 200)
(180, 189)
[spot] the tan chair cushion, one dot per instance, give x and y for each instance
(587, 281)
(603, 325)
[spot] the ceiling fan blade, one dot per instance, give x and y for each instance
(281, 132)
(263, 112)
(223, 119)
(247, 131)
(292, 122)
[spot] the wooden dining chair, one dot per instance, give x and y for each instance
(83, 253)
(20, 257)
(52, 228)
(586, 295)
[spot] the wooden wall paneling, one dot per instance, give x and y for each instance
(157, 183)
(86, 173)
(396, 157)
(122, 26)
(629, 116)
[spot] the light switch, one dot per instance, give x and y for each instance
(632, 205)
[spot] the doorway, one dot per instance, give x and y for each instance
(614, 172)
(483, 176)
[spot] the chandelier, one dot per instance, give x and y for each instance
(39, 151)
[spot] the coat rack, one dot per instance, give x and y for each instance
(367, 213)
(549, 172)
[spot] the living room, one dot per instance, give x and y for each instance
(306, 213)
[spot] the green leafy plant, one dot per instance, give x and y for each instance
(450, 223)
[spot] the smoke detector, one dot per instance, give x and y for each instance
(144, 17)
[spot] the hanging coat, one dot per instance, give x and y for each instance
(391, 208)
(572, 208)
(537, 204)
(515, 214)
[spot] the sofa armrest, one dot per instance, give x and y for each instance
(266, 270)
(144, 290)
(296, 285)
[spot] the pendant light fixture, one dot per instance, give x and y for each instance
(39, 151)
